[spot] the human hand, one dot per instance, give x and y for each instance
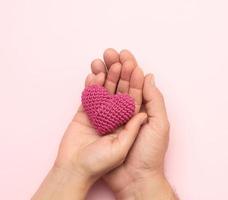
(84, 156)
(141, 176)
(83, 151)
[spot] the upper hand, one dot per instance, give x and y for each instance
(82, 151)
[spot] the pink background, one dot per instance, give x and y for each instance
(45, 52)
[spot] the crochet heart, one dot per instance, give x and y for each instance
(106, 112)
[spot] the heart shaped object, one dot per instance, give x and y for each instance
(106, 112)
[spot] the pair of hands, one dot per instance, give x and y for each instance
(131, 159)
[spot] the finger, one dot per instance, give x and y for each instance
(113, 77)
(89, 79)
(127, 55)
(136, 87)
(111, 56)
(153, 99)
(98, 66)
(127, 69)
(127, 136)
(92, 79)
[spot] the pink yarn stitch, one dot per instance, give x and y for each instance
(105, 111)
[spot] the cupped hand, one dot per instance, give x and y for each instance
(82, 151)
(145, 160)
(132, 167)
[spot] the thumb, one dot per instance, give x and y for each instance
(128, 135)
(153, 99)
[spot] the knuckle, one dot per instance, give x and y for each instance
(115, 68)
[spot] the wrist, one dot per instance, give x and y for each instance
(61, 184)
(148, 187)
(75, 179)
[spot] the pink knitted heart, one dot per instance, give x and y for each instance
(105, 111)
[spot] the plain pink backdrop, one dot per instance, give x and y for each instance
(46, 47)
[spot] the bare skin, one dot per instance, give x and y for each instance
(141, 176)
(133, 168)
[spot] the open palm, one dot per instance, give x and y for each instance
(147, 154)
(83, 151)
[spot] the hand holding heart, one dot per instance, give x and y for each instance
(84, 151)
(106, 112)
(101, 142)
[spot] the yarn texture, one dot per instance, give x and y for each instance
(106, 112)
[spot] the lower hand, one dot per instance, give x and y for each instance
(141, 176)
